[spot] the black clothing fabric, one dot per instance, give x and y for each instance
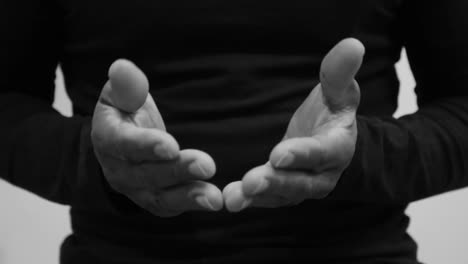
(227, 77)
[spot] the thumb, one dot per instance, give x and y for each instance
(128, 86)
(127, 91)
(337, 73)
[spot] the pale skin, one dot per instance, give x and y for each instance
(142, 161)
(139, 158)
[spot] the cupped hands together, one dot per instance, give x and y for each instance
(131, 144)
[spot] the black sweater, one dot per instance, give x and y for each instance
(227, 77)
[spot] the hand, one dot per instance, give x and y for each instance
(139, 158)
(319, 142)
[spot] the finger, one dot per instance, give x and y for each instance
(191, 165)
(128, 86)
(299, 153)
(126, 93)
(337, 73)
(195, 162)
(197, 195)
(128, 136)
(193, 196)
(236, 200)
(131, 178)
(128, 142)
(145, 144)
(315, 154)
(295, 186)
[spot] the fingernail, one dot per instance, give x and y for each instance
(203, 170)
(260, 187)
(203, 202)
(285, 160)
(199, 169)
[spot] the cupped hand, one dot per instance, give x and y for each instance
(139, 158)
(318, 145)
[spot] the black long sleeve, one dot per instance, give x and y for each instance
(40, 149)
(227, 76)
(425, 153)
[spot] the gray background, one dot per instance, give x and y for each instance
(31, 229)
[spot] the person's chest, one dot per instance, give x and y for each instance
(206, 26)
(210, 55)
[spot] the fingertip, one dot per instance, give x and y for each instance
(355, 46)
(344, 59)
(206, 165)
(234, 199)
(215, 198)
(350, 52)
(168, 148)
(300, 153)
(229, 195)
(210, 165)
(229, 188)
(122, 66)
(281, 156)
(338, 72)
(117, 66)
(286, 153)
(254, 182)
(201, 163)
(347, 55)
(129, 85)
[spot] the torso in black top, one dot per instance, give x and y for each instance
(227, 76)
